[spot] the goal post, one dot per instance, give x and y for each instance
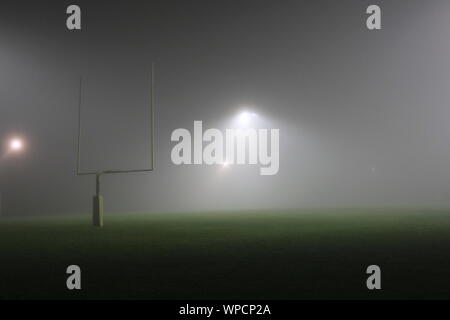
(97, 206)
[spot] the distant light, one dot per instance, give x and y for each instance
(225, 164)
(246, 118)
(16, 144)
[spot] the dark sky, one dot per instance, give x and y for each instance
(363, 115)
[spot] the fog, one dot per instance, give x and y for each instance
(363, 115)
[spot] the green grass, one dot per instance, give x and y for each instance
(234, 255)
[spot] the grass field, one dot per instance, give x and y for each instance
(234, 255)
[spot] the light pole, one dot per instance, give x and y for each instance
(15, 146)
(97, 206)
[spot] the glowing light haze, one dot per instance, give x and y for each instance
(363, 116)
(16, 144)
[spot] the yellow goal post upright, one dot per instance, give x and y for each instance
(97, 205)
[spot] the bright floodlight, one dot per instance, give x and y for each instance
(16, 144)
(246, 119)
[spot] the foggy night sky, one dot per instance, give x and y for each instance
(363, 115)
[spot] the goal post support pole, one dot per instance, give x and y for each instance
(97, 205)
